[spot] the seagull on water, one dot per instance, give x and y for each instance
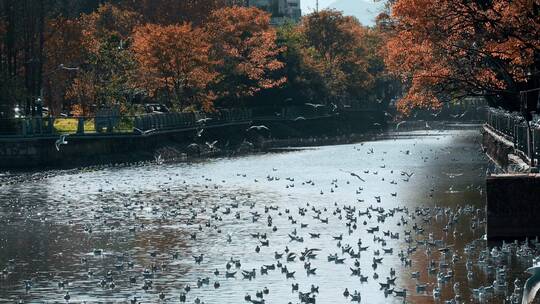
(354, 174)
(407, 173)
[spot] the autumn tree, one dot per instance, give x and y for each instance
(167, 12)
(444, 50)
(174, 58)
(244, 44)
(64, 55)
(104, 78)
(334, 52)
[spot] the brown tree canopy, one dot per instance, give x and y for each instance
(175, 58)
(245, 45)
(176, 11)
(193, 54)
(448, 49)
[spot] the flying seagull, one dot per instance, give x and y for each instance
(299, 118)
(258, 128)
(204, 120)
(199, 132)
(354, 174)
(436, 114)
(459, 115)
(399, 124)
(212, 144)
(313, 105)
(144, 132)
(60, 141)
(531, 285)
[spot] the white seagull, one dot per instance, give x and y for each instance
(60, 141)
(314, 105)
(203, 120)
(258, 128)
(532, 284)
(144, 132)
(399, 124)
(212, 145)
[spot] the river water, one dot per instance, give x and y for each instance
(97, 229)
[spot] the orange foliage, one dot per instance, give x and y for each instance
(175, 58)
(105, 66)
(83, 92)
(245, 45)
(444, 48)
(107, 22)
(175, 11)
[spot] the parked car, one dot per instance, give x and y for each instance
(155, 108)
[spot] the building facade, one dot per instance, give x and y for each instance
(281, 10)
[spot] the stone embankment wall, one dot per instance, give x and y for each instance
(497, 146)
(513, 206)
(513, 198)
(83, 150)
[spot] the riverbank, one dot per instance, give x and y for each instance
(512, 194)
(171, 152)
(40, 153)
(195, 140)
(500, 149)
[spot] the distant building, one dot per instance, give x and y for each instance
(281, 10)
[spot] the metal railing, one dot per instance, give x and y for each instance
(145, 123)
(43, 126)
(514, 127)
(171, 121)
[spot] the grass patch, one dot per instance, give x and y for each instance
(69, 125)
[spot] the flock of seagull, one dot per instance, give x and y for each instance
(389, 250)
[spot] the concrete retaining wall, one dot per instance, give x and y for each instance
(497, 147)
(513, 206)
(83, 150)
(513, 198)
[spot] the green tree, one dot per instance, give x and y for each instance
(304, 83)
(332, 58)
